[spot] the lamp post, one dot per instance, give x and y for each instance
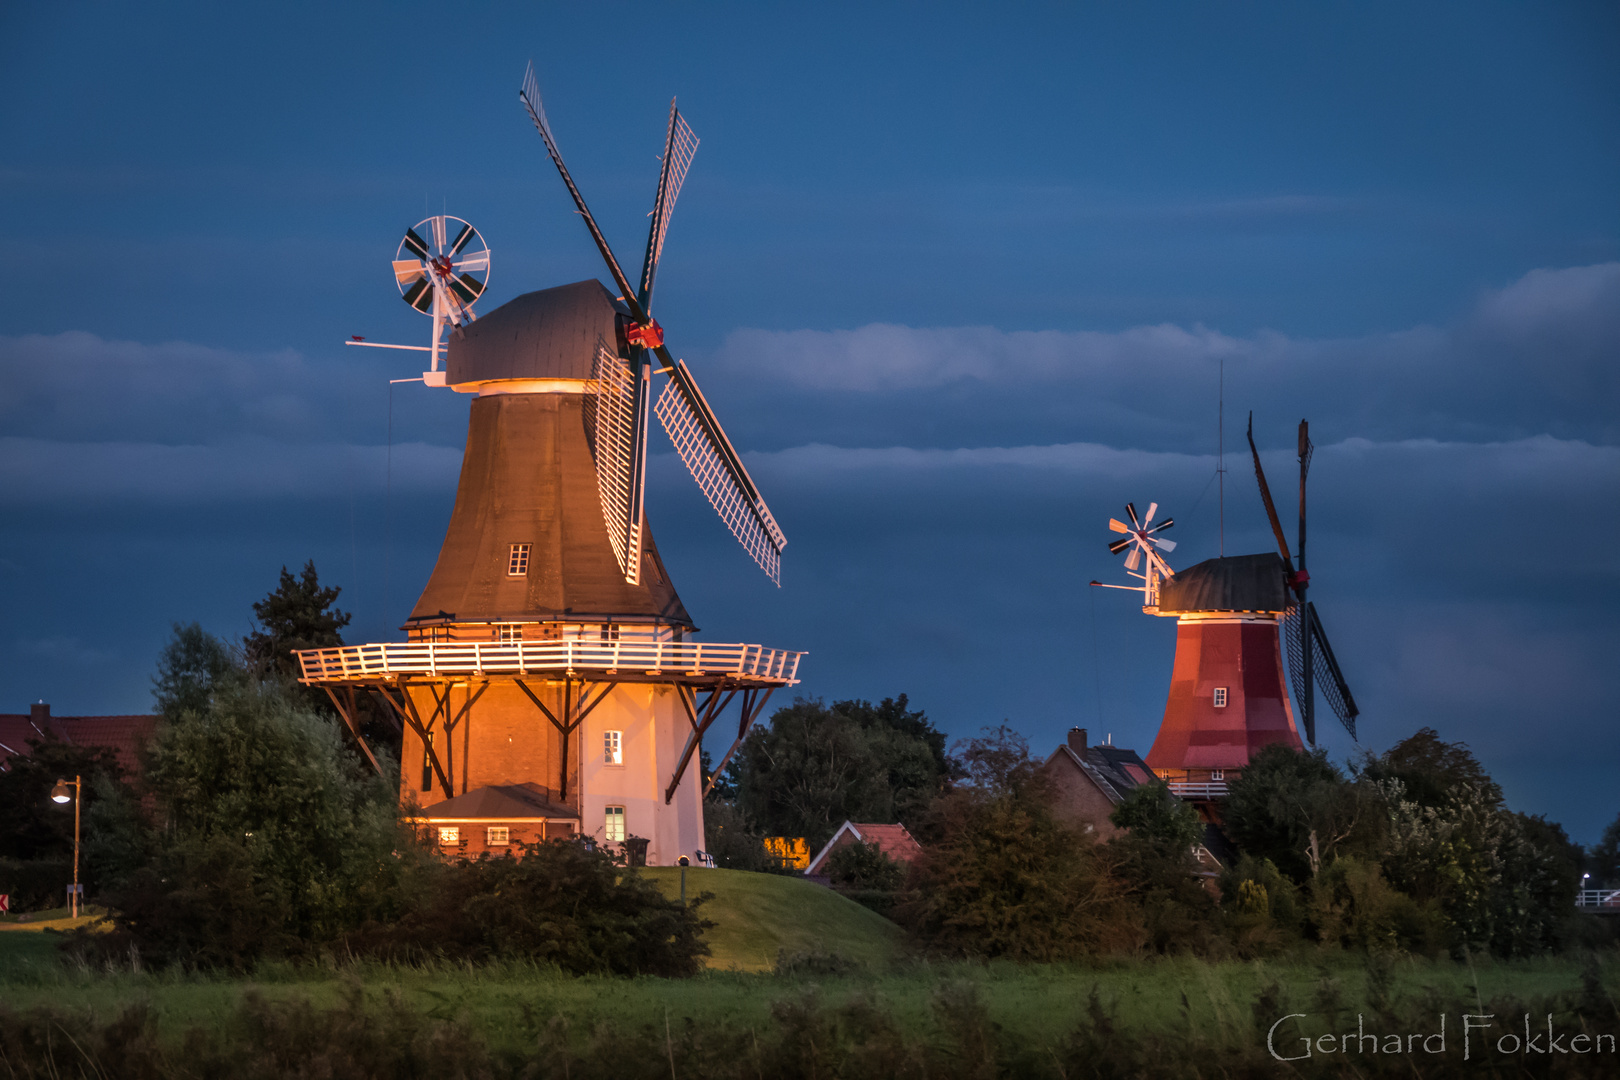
(61, 794)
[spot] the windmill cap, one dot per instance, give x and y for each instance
(550, 334)
(1236, 583)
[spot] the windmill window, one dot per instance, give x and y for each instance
(508, 633)
(498, 836)
(613, 828)
(1217, 774)
(1220, 697)
(449, 836)
(610, 631)
(518, 563)
(613, 748)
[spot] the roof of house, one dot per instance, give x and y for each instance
(1113, 769)
(125, 735)
(893, 840)
(499, 802)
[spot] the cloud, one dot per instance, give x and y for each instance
(1539, 356)
(86, 474)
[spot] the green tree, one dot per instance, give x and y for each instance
(813, 767)
(1430, 769)
(864, 866)
(1603, 860)
(190, 668)
(1298, 810)
(36, 834)
(297, 615)
(1151, 812)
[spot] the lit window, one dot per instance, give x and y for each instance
(497, 836)
(427, 762)
(614, 829)
(610, 631)
(449, 836)
(1220, 697)
(518, 564)
(508, 633)
(613, 748)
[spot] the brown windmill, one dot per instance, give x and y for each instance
(551, 683)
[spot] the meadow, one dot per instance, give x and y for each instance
(801, 982)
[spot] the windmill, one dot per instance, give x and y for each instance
(436, 269)
(550, 684)
(692, 426)
(1144, 546)
(1310, 657)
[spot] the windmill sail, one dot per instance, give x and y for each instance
(611, 427)
(679, 148)
(714, 464)
(1325, 676)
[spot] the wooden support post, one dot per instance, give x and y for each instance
(711, 709)
(574, 714)
(750, 712)
(354, 728)
(414, 720)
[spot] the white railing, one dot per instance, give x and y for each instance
(439, 658)
(1215, 789)
(1608, 899)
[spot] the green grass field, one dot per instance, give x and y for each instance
(756, 915)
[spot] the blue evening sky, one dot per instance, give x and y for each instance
(958, 279)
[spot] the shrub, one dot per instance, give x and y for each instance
(864, 866)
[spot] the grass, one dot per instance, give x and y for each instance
(758, 915)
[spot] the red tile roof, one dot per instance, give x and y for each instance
(126, 735)
(893, 840)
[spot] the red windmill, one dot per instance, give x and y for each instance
(1227, 697)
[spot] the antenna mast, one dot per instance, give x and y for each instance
(1220, 451)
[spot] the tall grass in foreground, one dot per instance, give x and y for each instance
(1175, 1018)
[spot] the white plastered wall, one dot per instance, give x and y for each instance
(654, 728)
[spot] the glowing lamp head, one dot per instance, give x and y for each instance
(61, 793)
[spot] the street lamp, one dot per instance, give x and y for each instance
(61, 794)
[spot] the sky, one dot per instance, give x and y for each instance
(960, 281)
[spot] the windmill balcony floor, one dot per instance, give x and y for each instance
(666, 661)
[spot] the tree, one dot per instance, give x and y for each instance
(1297, 809)
(297, 615)
(813, 767)
(36, 834)
(1430, 769)
(190, 668)
(1151, 812)
(864, 866)
(1604, 858)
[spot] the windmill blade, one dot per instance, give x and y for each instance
(1161, 526)
(1115, 525)
(406, 270)
(1118, 546)
(1328, 676)
(467, 233)
(417, 245)
(1163, 545)
(680, 146)
(530, 96)
(1130, 512)
(1153, 508)
(714, 464)
(611, 427)
(475, 262)
(420, 295)
(1265, 496)
(468, 288)
(1134, 559)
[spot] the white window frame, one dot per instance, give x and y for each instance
(1220, 697)
(449, 835)
(517, 563)
(497, 835)
(613, 748)
(1217, 774)
(614, 829)
(509, 633)
(610, 632)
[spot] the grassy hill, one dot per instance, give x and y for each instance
(759, 914)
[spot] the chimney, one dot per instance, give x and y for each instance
(39, 715)
(1077, 740)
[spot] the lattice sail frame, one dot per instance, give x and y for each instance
(748, 519)
(679, 149)
(612, 427)
(1324, 677)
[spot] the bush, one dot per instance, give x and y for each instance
(864, 866)
(561, 903)
(36, 884)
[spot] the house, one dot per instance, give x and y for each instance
(126, 736)
(893, 840)
(490, 820)
(1086, 783)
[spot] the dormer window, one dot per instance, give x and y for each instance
(1220, 697)
(517, 564)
